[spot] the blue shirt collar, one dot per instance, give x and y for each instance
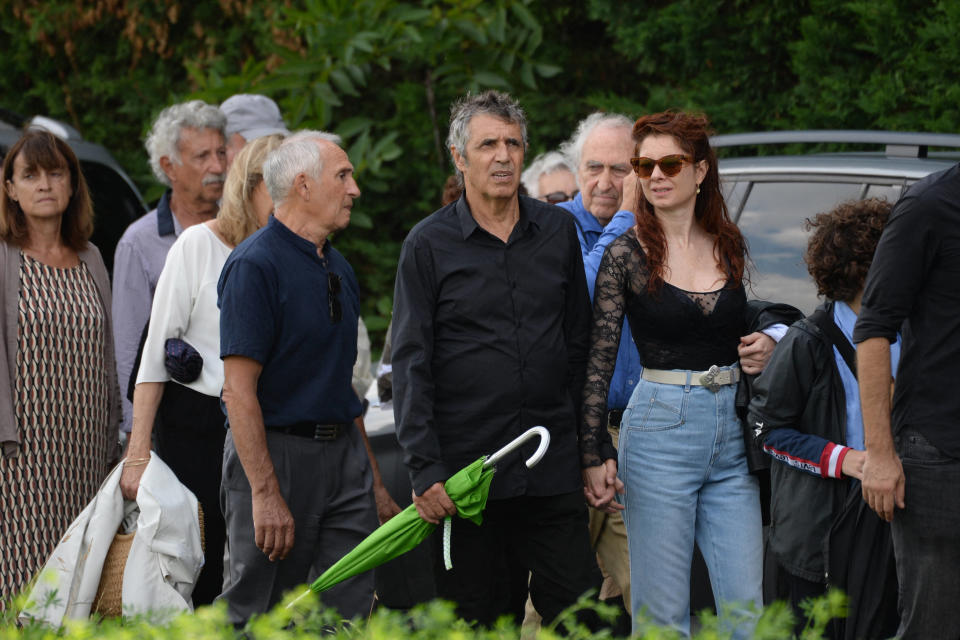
(845, 318)
(302, 244)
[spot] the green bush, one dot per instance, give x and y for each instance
(432, 621)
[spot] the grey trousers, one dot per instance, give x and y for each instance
(328, 488)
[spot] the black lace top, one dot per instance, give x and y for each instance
(673, 329)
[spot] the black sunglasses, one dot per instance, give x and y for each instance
(669, 165)
(333, 297)
(560, 196)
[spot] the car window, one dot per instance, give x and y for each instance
(733, 192)
(890, 192)
(772, 221)
(115, 206)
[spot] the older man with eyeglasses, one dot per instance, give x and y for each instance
(549, 178)
(296, 487)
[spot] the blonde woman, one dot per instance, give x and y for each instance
(177, 396)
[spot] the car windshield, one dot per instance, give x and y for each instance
(772, 218)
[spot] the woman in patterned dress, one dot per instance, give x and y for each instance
(59, 401)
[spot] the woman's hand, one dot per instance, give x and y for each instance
(130, 479)
(601, 485)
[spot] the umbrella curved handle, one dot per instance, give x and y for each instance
(516, 442)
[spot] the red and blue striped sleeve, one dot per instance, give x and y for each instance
(806, 452)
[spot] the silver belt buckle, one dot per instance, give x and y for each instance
(708, 379)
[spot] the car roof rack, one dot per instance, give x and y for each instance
(898, 143)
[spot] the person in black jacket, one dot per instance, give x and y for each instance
(805, 405)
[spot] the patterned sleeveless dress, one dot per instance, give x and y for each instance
(61, 405)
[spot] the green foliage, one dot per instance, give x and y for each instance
(382, 73)
(432, 621)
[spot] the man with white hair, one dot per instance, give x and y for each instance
(187, 153)
(549, 178)
(600, 151)
(296, 490)
(250, 116)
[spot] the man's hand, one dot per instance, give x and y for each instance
(434, 505)
(386, 506)
(600, 486)
(630, 193)
(883, 483)
(272, 525)
(853, 464)
(755, 351)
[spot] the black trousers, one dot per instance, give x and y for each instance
(543, 539)
(188, 436)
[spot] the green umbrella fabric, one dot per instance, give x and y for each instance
(467, 488)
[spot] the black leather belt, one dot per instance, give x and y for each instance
(313, 430)
(614, 416)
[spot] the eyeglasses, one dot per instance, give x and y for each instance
(333, 297)
(669, 165)
(559, 196)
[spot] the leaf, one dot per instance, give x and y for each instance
(323, 91)
(352, 126)
(472, 31)
(356, 72)
(490, 79)
(547, 70)
(523, 15)
(526, 74)
(361, 220)
(342, 82)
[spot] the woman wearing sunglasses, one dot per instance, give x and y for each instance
(678, 275)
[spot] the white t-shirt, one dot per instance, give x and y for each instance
(185, 307)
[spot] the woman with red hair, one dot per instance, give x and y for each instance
(679, 277)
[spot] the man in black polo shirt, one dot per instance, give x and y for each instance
(490, 333)
(914, 286)
(296, 479)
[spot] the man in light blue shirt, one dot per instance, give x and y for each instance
(600, 152)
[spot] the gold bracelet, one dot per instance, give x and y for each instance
(135, 464)
(147, 459)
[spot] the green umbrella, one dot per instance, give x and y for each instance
(467, 488)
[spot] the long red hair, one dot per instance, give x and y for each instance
(692, 133)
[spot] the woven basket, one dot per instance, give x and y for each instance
(108, 601)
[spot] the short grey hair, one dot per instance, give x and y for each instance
(573, 148)
(298, 154)
(543, 165)
(492, 103)
(164, 137)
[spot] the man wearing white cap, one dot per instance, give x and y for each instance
(250, 116)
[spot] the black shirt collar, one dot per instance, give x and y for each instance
(468, 224)
(165, 225)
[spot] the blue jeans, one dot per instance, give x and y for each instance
(926, 542)
(683, 462)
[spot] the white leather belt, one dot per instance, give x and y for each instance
(712, 379)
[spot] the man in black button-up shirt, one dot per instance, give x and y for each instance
(491, 325)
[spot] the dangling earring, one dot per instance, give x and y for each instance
(698, 189)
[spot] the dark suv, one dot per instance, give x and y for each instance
(116, 201)
(770, 196)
